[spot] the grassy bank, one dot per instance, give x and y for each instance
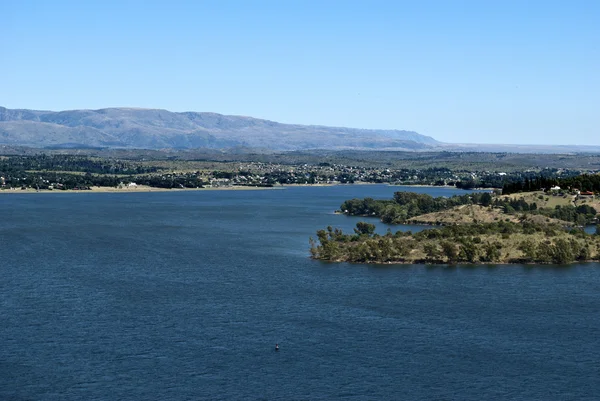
(496, 243)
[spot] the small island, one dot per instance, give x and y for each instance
(478, 228)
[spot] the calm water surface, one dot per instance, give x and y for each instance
(177, 296)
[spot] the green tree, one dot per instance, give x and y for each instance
(449, 250)
(431, 251)
(562, 252)
(491, 252)
(486, 199)
(364, 228)
(529, 249)
(360, 253)
(393, 214)
(543, 252)
(584, 253)
(386, 249)
(468, 251)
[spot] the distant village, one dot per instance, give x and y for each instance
(80, 173)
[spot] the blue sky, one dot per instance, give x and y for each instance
(523, 72)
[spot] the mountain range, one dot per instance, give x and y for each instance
(161, 129)
(156, 129)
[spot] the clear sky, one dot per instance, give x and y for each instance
(485, 71)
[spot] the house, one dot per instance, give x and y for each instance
(220, 182)
(585, 195)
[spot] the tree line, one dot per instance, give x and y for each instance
(583, 182)
(77, 163)
(66, 181)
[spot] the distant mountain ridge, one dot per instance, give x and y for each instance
(162, 129)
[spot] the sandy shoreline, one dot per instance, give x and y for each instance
(440, 186)
(144, 188)
(137, 189)
(326, 185)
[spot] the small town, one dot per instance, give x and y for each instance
(60, 172)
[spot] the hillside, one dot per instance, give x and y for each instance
(530, 227)
(500, 242)
(468, 214)
(160, 129)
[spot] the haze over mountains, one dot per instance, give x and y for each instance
(159, 129)
(136, 128)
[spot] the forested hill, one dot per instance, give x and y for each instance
(159, 129)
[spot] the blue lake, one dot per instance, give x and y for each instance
(183, 295)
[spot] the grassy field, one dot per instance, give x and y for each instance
(542, 199)
(467, 214)
(510, 246)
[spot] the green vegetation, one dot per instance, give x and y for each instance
(82, 169)
(583, 182)
(84, 164)
(506, 229)
(408, 205)
(76, 168)
(500, 242)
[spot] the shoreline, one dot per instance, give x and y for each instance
(335, 184)
(145, 188)
(458, 264)
(131, 190)
(442, 186)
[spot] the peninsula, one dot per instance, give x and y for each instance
(475, 228)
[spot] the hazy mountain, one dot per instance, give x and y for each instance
(508, 148)
(159, 129)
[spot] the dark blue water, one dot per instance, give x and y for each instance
(177, 296)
